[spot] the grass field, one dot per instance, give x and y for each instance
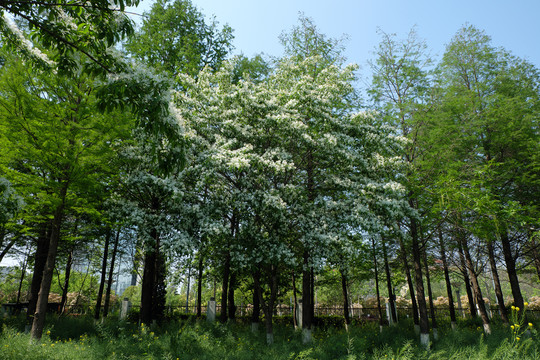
(82, 338)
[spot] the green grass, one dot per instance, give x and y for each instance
(80, 338)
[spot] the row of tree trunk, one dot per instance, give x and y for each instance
(49, 230)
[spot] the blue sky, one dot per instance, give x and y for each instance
(514, 25)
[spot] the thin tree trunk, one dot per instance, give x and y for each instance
(9, 245)
(375, 267)
(199, 286)
(188, 286)
(466, 279)
(256, 315)
(268, 307)
(312, 296)
(391, 295)
(448, 283)
(111, 275)
(232, 306)
(346, 309)
(40, 256)
(407, 270)
(67, 276)
(511, 270)
(108, 236)
(23, 273)
(476, 286)
(137, 260)
(306, 299)
(419, 282)
(497, 283)
(295, 302)
(224, 288)
(41, 306)
(430, 296)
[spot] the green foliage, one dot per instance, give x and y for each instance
(175, 38)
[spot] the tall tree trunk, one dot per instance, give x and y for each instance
(41, 306)
(312, 295)
(430, 296)
(138, 258)
(476, 286)
(511, 269)
(111, 275)
(40, 258)
(188, 287)
(306, 299)
(67, 276)
(447, 281)
(232, 306)
(295, 302)
(467, 280)
(152, 289)
(419, 282)
(160, 291)
(225, 287)
(391, 295)
(108, 236)
(23, 273)
(376, 268)
(496, 283)
(346, 306)
(268, 307)
(256, 315)
(200, 269)
(407, 270)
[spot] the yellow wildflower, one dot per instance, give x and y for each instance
(517, 308)
(530, 325)
(526, 304)
(517, 338)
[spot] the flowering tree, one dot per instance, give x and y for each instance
(251, 143)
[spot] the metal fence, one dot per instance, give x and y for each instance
(354, 312)
(280, 310)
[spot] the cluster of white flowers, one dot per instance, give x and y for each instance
(255, 148)
(8, 24)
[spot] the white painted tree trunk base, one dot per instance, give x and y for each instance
(424, 340)
(254, 327)
(306, 336)
(453, 324)
(269, 339)
(435, 334)
(487, 329)
(380, 328)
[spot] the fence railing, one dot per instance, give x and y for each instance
(280, 310)
(354, 312)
